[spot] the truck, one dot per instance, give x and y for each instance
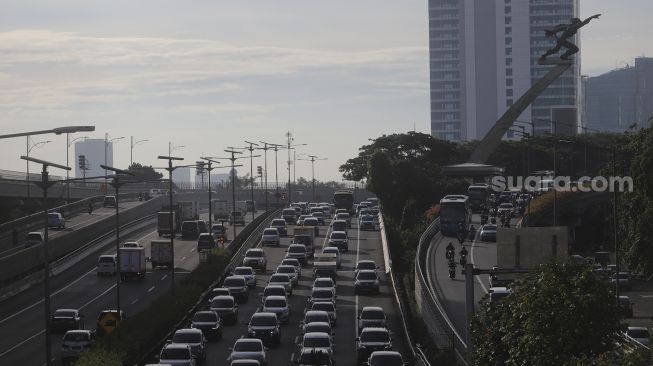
(132, 263)
(161, 253)
(305, 235)
(163, 223)
(188, 210)
(241, 206)
(220, 209)
(344, 199)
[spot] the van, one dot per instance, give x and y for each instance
(56, 220)
(190, 230)
(109, 201)
(106, 265)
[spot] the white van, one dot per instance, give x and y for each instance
(106, 265)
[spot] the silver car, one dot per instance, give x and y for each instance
(270, 237)
(278, 305)
(319, 342)
(329, 307)
(226, 308)
(290, 271)
(248, 348)
(282, 280)
(194, 338)
(248, 273)
(177, 355)
(76, 342)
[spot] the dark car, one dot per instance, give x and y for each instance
(366, 280)
(265, 327)
(209, 323)
(226, 308)
(190, 230)
(63, 320)
(289, 215)
(281, 226)
(206, 242)
(625, 306)
(370, 340)
(385, 358)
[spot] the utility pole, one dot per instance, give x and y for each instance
(233, 159)
(290, 145)
(170, 169)
(265, 171)
(251, 173)
(312, 159)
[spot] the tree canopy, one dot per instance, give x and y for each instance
(558, 313)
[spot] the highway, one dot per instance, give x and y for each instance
(362, 245)
(74, 222)
(22, 324)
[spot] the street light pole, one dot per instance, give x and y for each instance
(131, 150)
(312, 159)
(233, 184)
(170, 169)
(209, 168)
(106, 146)
(265, 153)
(29, 148)
(117, 184)
(68, 144)
(45, 185)
(251, 173)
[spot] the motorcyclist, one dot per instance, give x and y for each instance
(90, 208)
(452, 269)
(450, 251)
(463, 256)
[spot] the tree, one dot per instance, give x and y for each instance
(557, 313)
(144, 173)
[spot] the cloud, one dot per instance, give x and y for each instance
(47, 70)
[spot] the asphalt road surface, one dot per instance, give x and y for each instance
(22, 340)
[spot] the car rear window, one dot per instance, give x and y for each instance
(279, 278)
(234, 282)
(270, 232)
(76, 337)
(254, 254)
(106, 260)
(222, 303)
(175, 354)
(187, 337)
(205, 317)
(338, 235)
(34, 236)
(247, 346)
(275, 303)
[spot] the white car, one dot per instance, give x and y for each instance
(333, 250)
(290, 271)
(131, 244)
(193, 338)
(325, 282)
(177, 355)
(278, 305)
(106, 265)
(293, 262)
(248, 273)
(327, 306)
(270, 237)
(56, 220)
(76, 342)
(248, 349)
(640, 334)
(282, 280)
(315, 341)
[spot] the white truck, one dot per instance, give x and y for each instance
(132, 263)
(241, 206)
(189, 210)
(163, 223)
(161, 253)
(306, 236)
(220, 209)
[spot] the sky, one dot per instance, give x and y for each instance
(207, 74)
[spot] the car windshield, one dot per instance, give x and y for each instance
(279, 278)
(338, 235)
(234, 282)
(222, 303)
(278, 222)
(327, 306)
(254, 254)
(263, 321)
(53, 216)
(205, 317)
(270, 232)
(372, 314)
(375, 336)
(318, 327)
(366, 276)
(275, 303)
(638, 333)
(368, 218)
(274, 291)
(323, 283)
(175, 354)
(243, 271)
(33, 236)
(310, 318)
(316, 342)
(187, 337)
(107, 260)
(206, 238)
(64, 314)
(293, 249)
(76, 337)
(366, 265)
(290, 262)
(286, 270)
(490, 227)
(386, 360)
(247, 347)
(343, 216)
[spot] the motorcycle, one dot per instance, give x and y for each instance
(452, 270)
(450, 254)
(463, 260)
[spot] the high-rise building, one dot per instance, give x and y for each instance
(483, 56)
(620, 98)
(93, 151)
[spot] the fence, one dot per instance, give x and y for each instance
(437, 322)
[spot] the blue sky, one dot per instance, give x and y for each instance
(211, 74)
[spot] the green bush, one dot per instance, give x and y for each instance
(145, 330)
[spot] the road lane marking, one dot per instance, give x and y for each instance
(164, 277)
(133, 302)
(358, 245)
(182, 259)
(151, 289)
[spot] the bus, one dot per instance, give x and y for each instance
(454, 210)
(344, 199)
(479, 196)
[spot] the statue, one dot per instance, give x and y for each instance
(568, 31)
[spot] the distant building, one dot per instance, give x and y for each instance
(94, 154)
(620, 98)
(483, 57)
(182, 177)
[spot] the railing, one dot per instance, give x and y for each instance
(415, 351)
(437, 322)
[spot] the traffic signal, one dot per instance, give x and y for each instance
(199, 168)
(259, 170)
(82, 162)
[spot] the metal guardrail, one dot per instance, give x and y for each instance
(417, 355)
(243, 241)
(436, 319)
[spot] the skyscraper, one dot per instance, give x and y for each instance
(483, 56)
(93, 151)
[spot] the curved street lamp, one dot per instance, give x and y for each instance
(29, 148)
